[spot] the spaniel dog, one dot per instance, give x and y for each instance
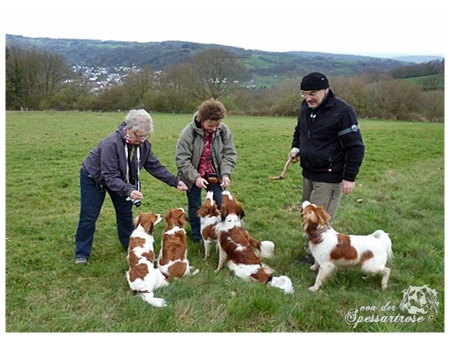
(142, 275)
(172, 259)
(242, 251)
(209, 219)
(331, 249)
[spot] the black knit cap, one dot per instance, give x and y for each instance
(314, 81)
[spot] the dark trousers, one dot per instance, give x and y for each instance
(91, 202)
(195, 201)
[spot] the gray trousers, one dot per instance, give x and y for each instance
(327, 195)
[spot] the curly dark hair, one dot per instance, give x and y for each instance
(211, 110)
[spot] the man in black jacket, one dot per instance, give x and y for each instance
(328, 140)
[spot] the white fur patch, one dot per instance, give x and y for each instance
(243, 271)
(174, 230)
(284, 283)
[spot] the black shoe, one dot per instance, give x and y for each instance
(307, 259)
(197, 240)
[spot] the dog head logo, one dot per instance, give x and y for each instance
(419, 299)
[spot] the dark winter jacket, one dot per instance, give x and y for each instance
(107, 163)
(330, 141)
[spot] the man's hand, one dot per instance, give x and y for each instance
(294, 153)
(347, 187)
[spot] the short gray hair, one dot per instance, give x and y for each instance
(139, 120)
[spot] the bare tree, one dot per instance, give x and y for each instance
(137, 84)
(211, 73)
(42, 75)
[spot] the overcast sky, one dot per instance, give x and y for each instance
(362, 27)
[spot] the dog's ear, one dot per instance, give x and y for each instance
(323, 215)
(182, 218)
(136, 220)
(167, 217)
(241, 212)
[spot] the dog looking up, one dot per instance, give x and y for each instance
(142, 276)
(209, 219)
(331, 249)
(242, 251)
(172, 259)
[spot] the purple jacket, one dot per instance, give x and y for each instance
(107, 163)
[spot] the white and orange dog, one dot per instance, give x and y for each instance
(142, 275)
(172, 259)
(331, 249)
(242, 251)
(209, 219)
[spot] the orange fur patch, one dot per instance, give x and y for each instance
(314, 218)
(174, 245)
(208, 209)
(209, 232)
(343, 249)
(237, 243)
(146, 220)
(138, 271)
(366, 255)
(262, 276)
(230, 206)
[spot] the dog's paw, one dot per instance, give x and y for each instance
(313, 288)
(314, 267)
(163, 303)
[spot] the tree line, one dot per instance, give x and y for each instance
(40, 80)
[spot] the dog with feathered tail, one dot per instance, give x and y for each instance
(142, 276)
(241, 251)
(332, 249)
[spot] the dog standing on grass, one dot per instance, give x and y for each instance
(331, 249)
(142, 275)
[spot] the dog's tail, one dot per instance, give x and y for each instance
(386, 240)
(266, 248)
(149, 298)
(283, 282)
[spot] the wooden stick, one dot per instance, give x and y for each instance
(286, 167)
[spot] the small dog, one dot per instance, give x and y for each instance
(209, 219)
(242, 251)
(331, 249)
(142, 275)
(172, 259)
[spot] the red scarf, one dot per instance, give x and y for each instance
(206, 167)
(127, 137)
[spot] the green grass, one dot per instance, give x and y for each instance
(401, 185)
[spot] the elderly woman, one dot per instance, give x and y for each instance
(114, 167)
(205, 158)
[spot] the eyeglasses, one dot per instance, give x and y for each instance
(140, 137)
(312, 93)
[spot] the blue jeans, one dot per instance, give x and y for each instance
(195, 201)
(91, 202)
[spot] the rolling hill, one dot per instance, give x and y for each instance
(160, 55)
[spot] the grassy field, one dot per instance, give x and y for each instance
(401, 185)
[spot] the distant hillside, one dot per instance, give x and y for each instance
(160, 55)
(417, 58)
